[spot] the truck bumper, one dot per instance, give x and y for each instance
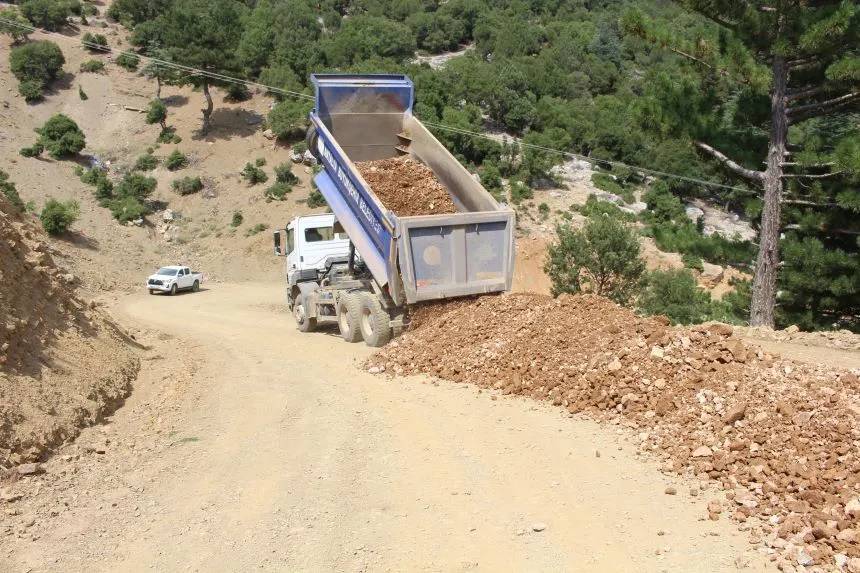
(159, 288)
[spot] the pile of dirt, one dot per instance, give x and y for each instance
(407, 187)
(779, 437)
(63, 365)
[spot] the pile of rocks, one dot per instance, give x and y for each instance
(779, 438)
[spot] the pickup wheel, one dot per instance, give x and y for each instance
(173, 289)
(349, 316)
(375, 322)
(151, 291)
(303, 321)
(196, 286)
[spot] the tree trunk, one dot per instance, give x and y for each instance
(209, 105)
(767, 262)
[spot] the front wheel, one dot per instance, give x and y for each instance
(151, 291)
(375, 322)
(303, 321)
(173, 289)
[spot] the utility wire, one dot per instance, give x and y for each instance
(231, 79)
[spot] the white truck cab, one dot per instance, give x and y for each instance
(311, 241)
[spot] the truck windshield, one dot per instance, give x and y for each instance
(167, 272)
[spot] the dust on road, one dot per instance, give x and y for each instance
(277, 453)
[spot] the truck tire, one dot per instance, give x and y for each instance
(196, 286)
(349, 316)
(375, 322)
(173, 290)
(311, 138)
(303, 321)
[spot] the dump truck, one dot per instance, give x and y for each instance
(362, 266)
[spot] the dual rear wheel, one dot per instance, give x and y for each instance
(361, 316)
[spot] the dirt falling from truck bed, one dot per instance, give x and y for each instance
(779, 437)
(407, 187)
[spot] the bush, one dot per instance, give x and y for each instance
(675, 294)
(156, 112)
(258, 228)
(543, 209)
(58, 216)
(94, 42)
(48, 14)
(289, 118)
(82, 94)
(284, 174)
(691, 261)
(684, 238)
(520, 192)
(15, 32)
(128, 61)
(278, 191)
(187, 185)
(8, 189)
(253, 174)
(237, 219)
(34, 150)
(315, 199)
(61, 136)
(300, 148)
(612, 185)
(602, 258)
(93, 66)
(237, 92)
(260, 161)
(168, 135)
(135, 185)
(146, 162)
(37, 64)
(176, 160)
(125, 209)
(31, 90)
(594, 207)
(98, 179)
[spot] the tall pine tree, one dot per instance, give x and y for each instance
(780, 82)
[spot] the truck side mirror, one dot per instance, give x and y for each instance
(276, 236)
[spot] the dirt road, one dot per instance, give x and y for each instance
(278, 453)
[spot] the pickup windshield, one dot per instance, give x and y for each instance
(167, 272)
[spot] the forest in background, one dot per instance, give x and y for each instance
(641, 82)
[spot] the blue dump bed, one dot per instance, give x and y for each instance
(368, 117)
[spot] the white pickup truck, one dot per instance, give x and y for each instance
(173, 279)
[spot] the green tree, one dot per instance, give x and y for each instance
(364, 37)
(134, 12)
(156, 112)
(767, 68)
(57, 216)
(48, 14)
(203, 34)
(36, 64)
(675, 294)
(61, 136)
(289, 118)
(14, 25)
(602, 258)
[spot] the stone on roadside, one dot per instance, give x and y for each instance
(670, 491)
(28, 469)
(539, 526)
(702, 452)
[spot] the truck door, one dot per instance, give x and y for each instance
(290, 250)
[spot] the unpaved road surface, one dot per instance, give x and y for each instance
(283, 455)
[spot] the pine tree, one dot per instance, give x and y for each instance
(784, 68)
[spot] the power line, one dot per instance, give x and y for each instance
(231, 79)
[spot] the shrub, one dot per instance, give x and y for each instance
(300, 147)
(104, 186)
(594, 207)
(237, 92)
(34, 150)
(128, 61)
(156, 112)
(237, 219)
(168, 135)
(675, 294)
(684, 238)
(135, 185)
(126, 209)
(602, 257)
(258, 228)
(94, 42)
(8, 189)
(543, 209)
(176, 160)
(691, 261)
(284, 174)
(48, 14)
(278, 191)
(93, 66)
(146, 162)
(289, 118)
(14, 31)
(187, 185)
(58, 216)
(82, 94)
(31, 90)
(520, 192)
(253, 174)
(61, 136)
(260, 161)
(36, 64)
(315, 199)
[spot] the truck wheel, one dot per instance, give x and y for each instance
(173, 289)
(151, 291)
(196, 286)
(303, 321)
(311, 138)
(349, 316)
(375, 322)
